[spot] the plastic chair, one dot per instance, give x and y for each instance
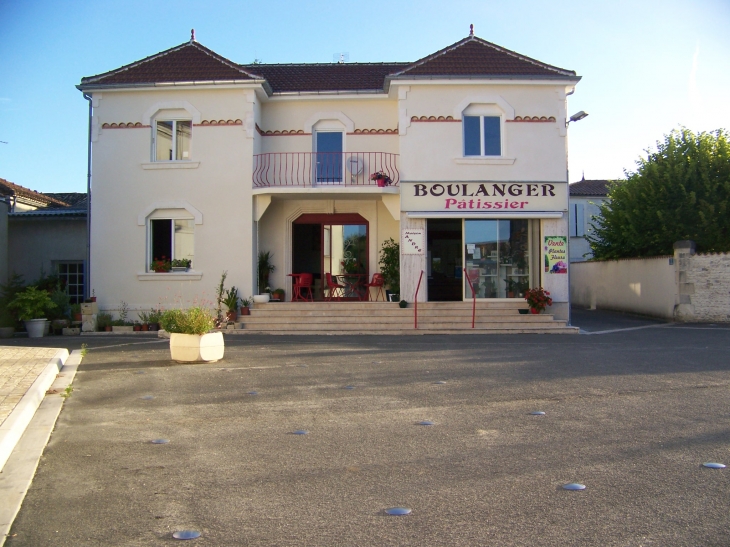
(303, 287)
(333, 288)
(378, 281)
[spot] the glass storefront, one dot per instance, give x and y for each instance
(497, 258)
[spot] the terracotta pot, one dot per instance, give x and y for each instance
(93, 299)
(78, 317)
(108, 329)
(231, 315)
(137, 328)
(245, 311)
(534, 311)
(145, 327)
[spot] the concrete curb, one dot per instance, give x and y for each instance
(14, 425)
(19, 470)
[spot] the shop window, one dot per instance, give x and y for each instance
(171, 239)
(171, 140)
(71, 275)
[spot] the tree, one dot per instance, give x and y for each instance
(681, 191)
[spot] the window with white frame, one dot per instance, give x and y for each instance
(71, 274)
(482, 128)
(170, 238)
(171, 140)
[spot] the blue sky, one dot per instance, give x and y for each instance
(647, 66)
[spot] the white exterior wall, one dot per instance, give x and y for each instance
(126, 186)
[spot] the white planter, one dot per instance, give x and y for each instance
(123, 329)
(192, 348)
(261, 298)
(35, 327)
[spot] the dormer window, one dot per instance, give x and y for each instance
(171, 140)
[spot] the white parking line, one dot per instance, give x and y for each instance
(662, 325)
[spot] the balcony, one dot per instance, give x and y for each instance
(322, 169)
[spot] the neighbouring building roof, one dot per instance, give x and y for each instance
(31, 197)
(192, 62)
(589, 188)
(74, 200)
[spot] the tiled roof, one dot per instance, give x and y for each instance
(8, 188)
(75, 200)
(473, 56)
(188, 62)
(193, 62)
(589, 188)
(326, 77)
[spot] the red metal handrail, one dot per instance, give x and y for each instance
(415, 312)
(474, 299)
(323, 168)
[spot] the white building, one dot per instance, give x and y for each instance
(195, 156)
(586, 197)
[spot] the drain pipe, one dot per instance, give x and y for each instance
(87, 273)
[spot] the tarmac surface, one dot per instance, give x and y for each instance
(632, 411)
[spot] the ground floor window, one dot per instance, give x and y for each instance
(496, 255)
(171, 239)
(71, 274)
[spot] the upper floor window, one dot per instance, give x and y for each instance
(172, 140)
(482, 135)
(170, 239)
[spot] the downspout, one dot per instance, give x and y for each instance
(87, 274)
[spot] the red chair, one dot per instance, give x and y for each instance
(303, 285)
(333, 288)
(378, 282)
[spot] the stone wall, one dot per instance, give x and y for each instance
(703, 285)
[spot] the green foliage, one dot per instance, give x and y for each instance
(32, 303)
(103, 320)
(191, 321)
(62, 306)
(681, 191)
(390, 264)
(265, 268)
(8, 292)
(219, 299)
(231, 299)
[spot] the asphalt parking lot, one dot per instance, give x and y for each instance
(631, 411)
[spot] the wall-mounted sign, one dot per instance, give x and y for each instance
(414, 242)
(484, 197)
(556, 254)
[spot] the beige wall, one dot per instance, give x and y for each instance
(34, 244)
(642, 285)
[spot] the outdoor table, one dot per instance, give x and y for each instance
(353, 284)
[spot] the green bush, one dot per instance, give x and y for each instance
(390, 264)
(32, 303)
(191, 321)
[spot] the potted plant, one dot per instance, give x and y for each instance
(403, 304)
(231, 302)
(265, 268)
(190, 337)
(180, 265)
(154, 319)
(245, 303)
(511, 286)
(538, 299)
(30, 306)
(103, 322)
(381, 179)
(390, 266)
(76, 312)
(122, 324)
(279, 294)
(160, 265)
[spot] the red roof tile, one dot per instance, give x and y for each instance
(192, 62)
(189, 62)
(8, 188)
(473, 56)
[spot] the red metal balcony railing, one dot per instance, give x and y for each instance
(323, 169)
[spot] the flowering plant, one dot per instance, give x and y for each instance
(161, 264)
(180, 262)
(538, 299)
(378, 175)
(349, 265)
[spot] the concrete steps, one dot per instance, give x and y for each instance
(386, 318)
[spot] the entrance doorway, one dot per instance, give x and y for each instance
(445, 271)
(336, 244)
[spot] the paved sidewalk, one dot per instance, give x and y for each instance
(25, 375)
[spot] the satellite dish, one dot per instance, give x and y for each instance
(355, 165)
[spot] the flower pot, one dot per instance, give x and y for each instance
(35, 327)
(193, 348)
(245, 310)
(108, 329)
(261, 298)
(154, 326)
(145, 327)
(231, 315)
(381, 183)
(280, 296)
(7, 332)
(137, 328)
(179, 269)
(78, 317)
(534, 311)
(523, 311)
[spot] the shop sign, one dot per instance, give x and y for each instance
(487, 197)
(414, 242)
(556, 254)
